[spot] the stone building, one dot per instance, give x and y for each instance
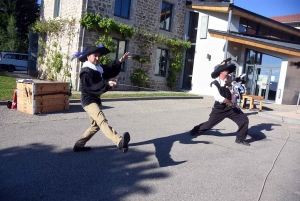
(155, 16)
(266, 49)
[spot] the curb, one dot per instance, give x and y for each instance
(279, 118)
(143, 98)
(132, 99)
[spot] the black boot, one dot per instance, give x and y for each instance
(77, 149)
(243, 142)
(195, 130)
(123, 144)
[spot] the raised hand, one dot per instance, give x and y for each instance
(125, 57)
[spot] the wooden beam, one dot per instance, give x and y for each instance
(210, 8)
(225, 9)
(256, 44)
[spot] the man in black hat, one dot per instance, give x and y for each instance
(92, 85)
(223, 106)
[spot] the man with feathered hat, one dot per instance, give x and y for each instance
(223, 106)
(92, 84)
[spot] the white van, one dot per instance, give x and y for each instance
(12, 61)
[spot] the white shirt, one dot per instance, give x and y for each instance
(215, 90)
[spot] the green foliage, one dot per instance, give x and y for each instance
(93, 22)
(52, 33)
(139, 78)
(24, 13)
(145, 41)
(9, 39)
(110, 44)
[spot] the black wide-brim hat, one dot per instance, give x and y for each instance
(219, 69)
(92, 50)
(238, 79)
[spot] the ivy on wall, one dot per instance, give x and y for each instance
(146, 40)
(52, 32)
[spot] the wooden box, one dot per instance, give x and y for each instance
(42, 96)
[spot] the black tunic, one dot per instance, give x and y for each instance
(92, 84)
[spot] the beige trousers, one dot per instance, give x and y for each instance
(98, 121)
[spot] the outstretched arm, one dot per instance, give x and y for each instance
(113, 69)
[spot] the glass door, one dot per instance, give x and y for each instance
(266, 82)
(273, 83)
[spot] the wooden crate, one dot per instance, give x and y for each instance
(42, 96)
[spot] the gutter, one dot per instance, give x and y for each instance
(82, 39)
(228, 28)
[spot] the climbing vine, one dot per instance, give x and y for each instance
(146, 40)
(52, 33)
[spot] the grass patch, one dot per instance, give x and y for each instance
(138, 95)
(7, 86)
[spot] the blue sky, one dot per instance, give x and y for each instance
(267, 8)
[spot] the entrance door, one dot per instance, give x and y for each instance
(265, 82)
(188, 68)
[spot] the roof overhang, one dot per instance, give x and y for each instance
(252, 41)
(224, 7)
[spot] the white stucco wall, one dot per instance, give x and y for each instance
(287, 92)
(213, 46)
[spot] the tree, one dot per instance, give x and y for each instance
(11, 40)
(24, 13)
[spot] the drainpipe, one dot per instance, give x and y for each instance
(228, 28)
(82, 40)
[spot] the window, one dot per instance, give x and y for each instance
(193, 25)
(251, 28)
(161, 62)
(248, 27)
(120, 51)
(122, 8)
(264, 31)
(23, 57)
(165, 16)
(243, 26)
(10, 56)
(276, 34)
(56, 8)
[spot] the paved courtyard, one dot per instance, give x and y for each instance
(163, 162)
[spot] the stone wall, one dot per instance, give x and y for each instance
(68, 9)
(144, 14)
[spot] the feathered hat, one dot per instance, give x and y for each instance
(218, 69)
(91, 50)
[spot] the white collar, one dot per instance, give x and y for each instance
(88, 64)
(221, 82)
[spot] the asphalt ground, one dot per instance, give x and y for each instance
(163, 162)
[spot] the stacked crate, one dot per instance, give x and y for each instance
(37, 96)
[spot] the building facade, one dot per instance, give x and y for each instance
(266, 50)
(159, 17)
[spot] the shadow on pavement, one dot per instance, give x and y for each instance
(163, 147)
(39, 172)
(256, 132)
